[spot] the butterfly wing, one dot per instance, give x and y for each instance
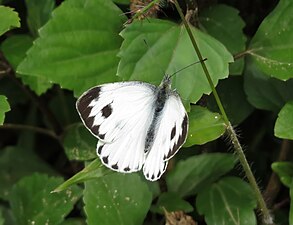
(174, 120)
(119, 115)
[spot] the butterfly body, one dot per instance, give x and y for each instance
(138, 124)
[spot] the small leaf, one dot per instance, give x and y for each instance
(272, 46)
(171, 202)
(14, 49)
(224, 23)
(122, 199)
(4, 107)
(204, 126)
(230, 201)
(284, 123)
(170, 50)
(32, 203)
(93, 170)
(8, 19)
(264, 92)
(38, 13)
(198, 172)
(233, 99)
(77, 48)
(79, 143)
(285, 172)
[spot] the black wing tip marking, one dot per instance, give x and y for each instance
(181, 139)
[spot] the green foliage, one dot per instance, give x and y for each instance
(229, 201)
(65, 47)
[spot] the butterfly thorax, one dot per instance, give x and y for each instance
(161, 97)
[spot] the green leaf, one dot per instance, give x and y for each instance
(197, 172)
(93, 170)
(224, 23)
(8, 19)
(1, 218)
(230, 201)
(284, 123)
(122, 199)
(124, 2)
(16, 163)
(204, 126)
(171, 202)
(79, 143)
(233, 99)
(272, 46)
(38, 13)
(4, 107)
(77, 48)
(32, 202)
(264, 92)
(170, 50)
(14, 49)
(285, 172)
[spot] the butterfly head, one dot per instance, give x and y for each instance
(166, 82)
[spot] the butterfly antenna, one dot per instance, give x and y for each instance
(188, 66)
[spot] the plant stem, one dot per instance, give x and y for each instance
(266, 217)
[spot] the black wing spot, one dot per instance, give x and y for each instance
(100, 149)
(107, 111)
(173, 132)
(115, 166)
(127, 169)
(105, 159)
(101, 136)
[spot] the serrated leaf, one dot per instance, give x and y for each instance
(285, 172)
(230, 201)
(77, 48)
(16, 163)
(122, 199)
(171, 202)
(272, 46)
(93, 170)
(233, 99)
(198, 172)
(170, 50)
(4, 107)
(32, 202)
(38, 13)
(8, 19)
(204, 126)
(14, 49)
(79, 143)
(284, 123)
(264, 92)
(224, 23)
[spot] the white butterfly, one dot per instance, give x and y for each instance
(137, 124)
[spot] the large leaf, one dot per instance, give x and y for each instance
(16, 163)
(122, 199)
(204, 126)
(38, 13)
(272, 46)
(285, 172)
(32, 202)
(8, 19)
(233, 99)
(170, 50)
(284, 123)
(198, 172)
(4, 107)
(14, 49)
(230, 201)
(224, 23)
(264, 92)
(79, 143)
(77, 48)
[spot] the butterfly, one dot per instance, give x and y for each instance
(139, 125)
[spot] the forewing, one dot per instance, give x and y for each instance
(119, 115)
(170, 135)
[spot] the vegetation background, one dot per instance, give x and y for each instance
(52, 51)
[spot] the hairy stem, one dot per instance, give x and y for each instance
(266, 217)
